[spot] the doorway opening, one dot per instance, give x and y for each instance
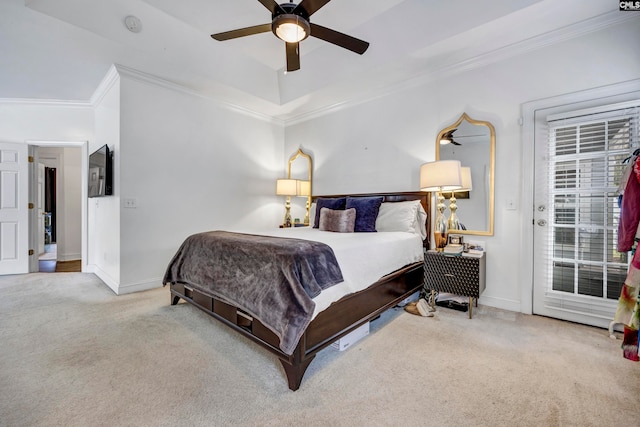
(58, 213)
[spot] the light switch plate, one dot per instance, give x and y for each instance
(130, 202)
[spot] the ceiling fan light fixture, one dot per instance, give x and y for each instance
(291, 28)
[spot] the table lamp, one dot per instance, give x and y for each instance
(304, 190)
(287, 187)
(454, 221)
(439, 176)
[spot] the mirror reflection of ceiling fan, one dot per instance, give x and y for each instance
(290, 23)
(447, 137)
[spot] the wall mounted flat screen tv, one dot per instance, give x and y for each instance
(101, 172)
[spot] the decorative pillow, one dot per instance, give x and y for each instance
(340, 221)
(408, 216)
(335, 204)
(366, 212)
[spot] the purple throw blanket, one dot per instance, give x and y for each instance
(272, 278)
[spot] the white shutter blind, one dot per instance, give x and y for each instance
(586, 153)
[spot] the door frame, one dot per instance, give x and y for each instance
(84, 228)
(612, 94)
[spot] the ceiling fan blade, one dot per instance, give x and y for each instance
(339, 39)
(241, 32)
(271, 5)
(293, 56)
(310, 6)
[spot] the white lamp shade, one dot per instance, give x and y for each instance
(467, 185)
(303, 188)
(441, 175)
(286, 187)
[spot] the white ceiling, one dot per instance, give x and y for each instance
(62, 49)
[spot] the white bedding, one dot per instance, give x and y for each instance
(363, 257)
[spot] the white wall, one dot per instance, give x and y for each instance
(103, 213)
(70, 234)
(380, 145)
(191, 165)
(21, 121)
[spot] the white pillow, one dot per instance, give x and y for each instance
(421, 219)
(312, 213)
(402, 216)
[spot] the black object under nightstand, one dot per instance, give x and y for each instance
(455, 274)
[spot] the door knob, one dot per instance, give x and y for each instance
(542, 222)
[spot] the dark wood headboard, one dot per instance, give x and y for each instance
(424, 197)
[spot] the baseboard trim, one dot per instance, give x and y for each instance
(141, 286)
(502, 303)
(102, 275)
(123, 289)
(69, 257)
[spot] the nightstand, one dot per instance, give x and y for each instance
(455, 274)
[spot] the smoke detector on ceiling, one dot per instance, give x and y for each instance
(133, 24)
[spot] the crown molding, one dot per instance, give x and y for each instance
(113, 76)
(104, 86)
(46, 102)
(158, 81)
(418, 79)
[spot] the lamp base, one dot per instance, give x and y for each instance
(287, 222)
(440, 240)
(440, 231)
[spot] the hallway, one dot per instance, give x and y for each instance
(48, 262)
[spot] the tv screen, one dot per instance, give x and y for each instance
(100, 173)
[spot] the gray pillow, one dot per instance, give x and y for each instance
(340, 221)
(331, 203)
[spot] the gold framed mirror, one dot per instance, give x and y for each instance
(473, 143)
(302, 172)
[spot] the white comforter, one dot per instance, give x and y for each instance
(363, 257)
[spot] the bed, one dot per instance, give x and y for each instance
(333, 315)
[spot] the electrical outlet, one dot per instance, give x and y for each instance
(130, 202)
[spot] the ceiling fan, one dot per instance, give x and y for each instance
(290, 23)
(447, 138)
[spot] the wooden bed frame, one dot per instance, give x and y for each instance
(337, 320)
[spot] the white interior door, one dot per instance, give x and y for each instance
(40, 208)
(579, 159)
(14, 208)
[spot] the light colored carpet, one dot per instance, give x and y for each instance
(74, 354)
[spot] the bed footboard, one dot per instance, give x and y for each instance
(337, 320)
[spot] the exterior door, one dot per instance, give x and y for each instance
(14, 208)
(579, 161)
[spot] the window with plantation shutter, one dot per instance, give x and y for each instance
(585, 162)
